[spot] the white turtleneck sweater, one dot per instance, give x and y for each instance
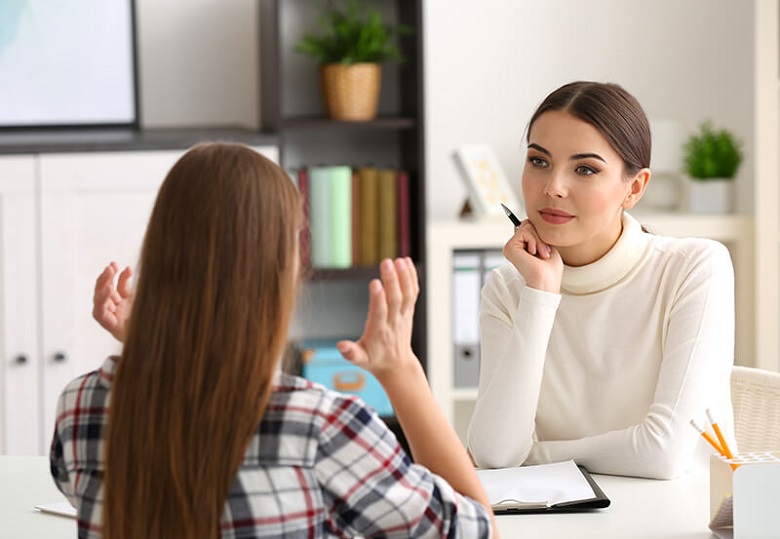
(611, 371)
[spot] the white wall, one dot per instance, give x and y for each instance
(198, 62)
(490, 63)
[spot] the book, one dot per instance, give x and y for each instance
(387, 215)
(560, 486)
(340, 183)
(330, 216)
(404, 214)
(319, 216)
(369, 207)
(355, 218)
(303, 188)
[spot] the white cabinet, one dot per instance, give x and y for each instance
(93, 209)
(446, 237)
(19, 300)
(64, 217)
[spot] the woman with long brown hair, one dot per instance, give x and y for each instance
(195, 432)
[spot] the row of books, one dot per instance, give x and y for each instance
(356, 216)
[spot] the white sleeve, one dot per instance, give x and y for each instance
(694, 375)
(515, 326)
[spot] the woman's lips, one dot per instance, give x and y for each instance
(555, 217)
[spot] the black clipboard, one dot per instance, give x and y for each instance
(599, 501)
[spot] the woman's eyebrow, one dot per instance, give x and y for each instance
(574, 157)
(586, 156)
(539, 149)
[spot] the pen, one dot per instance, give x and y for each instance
(512, 216)
(726, 451)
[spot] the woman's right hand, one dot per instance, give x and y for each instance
(539, 263)
(111, 303)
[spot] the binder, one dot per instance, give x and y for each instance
(466, 284)
(561, 487)
(470, 269)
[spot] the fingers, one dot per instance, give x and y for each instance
(391, 284)
(409, 284)
(528, 238)
(377, 306)
(123, 285)
(103, 291)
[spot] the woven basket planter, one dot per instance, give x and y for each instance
(351, 92)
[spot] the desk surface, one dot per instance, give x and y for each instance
(640, 509)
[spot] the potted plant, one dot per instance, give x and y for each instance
(712, 158)
(350, 47)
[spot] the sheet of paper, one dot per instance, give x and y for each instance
(544, 484)
(58, 508)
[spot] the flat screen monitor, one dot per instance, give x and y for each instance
(67, 63)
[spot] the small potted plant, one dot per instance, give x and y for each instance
(350, 47)
(712, 158)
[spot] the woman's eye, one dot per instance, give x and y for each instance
(585, 170)
(537, 161)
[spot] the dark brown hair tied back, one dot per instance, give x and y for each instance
(613, 111)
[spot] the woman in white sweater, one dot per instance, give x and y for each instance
(600, 341)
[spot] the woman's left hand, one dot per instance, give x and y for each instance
(385, 346)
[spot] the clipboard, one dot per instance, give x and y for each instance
(533, 480)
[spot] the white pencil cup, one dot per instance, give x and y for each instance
(744, 495)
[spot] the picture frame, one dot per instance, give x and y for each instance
(486, 182)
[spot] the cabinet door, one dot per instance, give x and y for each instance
(19, 407)
(94, 209)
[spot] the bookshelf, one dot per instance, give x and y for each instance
(448, 237)
(292, 109)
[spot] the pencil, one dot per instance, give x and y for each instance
(709, 438)
(726, 451)
(512, 216)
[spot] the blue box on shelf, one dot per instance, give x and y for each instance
(322, 363)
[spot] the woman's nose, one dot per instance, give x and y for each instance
(555, 186)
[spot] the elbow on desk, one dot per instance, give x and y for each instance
(492, 454)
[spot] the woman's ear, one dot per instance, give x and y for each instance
(637, 186)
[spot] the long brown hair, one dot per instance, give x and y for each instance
(610, 109)
(214, 298)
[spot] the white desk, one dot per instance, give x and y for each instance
(24, 483)
(640, 509)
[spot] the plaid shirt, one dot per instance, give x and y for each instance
(321, 464)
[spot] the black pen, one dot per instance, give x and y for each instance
(512, 216)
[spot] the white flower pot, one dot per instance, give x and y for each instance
(711, 196)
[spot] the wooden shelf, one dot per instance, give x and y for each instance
(309, 123)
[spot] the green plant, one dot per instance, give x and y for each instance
(711, 153)
(350, 33)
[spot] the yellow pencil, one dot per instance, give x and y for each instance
(719, 434)
(709, 438)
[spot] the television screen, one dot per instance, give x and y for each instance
(67, 63)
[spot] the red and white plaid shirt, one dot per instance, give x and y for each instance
(321, 464)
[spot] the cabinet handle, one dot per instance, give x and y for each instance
(21, 359)
(60, 357)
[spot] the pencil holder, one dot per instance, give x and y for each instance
(744, 492)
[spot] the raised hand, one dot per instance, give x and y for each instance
(112, 302)
(539, 263)
(385, 346)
